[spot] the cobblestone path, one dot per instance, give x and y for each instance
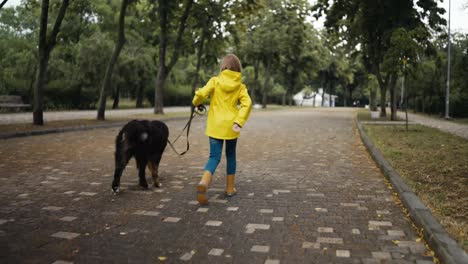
(307, 193)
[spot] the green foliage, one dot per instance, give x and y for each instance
(280, 50)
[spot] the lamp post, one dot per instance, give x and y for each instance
(447, 91)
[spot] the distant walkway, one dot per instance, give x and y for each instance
(460, 130)
(26, 117)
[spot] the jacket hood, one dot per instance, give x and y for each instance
(231, 80)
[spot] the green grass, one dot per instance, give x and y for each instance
(126, 103)
(365, 115)
(435, 165)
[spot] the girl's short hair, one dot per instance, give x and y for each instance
(231, 62)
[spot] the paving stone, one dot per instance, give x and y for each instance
(325, 230)
(380, 223)
(355, 231)
(266, 211)
(216, 252)
(257, 226)
(147, 213)
(68, 218)
(395, 233)
(187, 256)
(310, 245)
(66, 235)
(272, 261)
(321, 210)
(88, 193)
(349, 204)
(330, 240)
(202, 210)
(213, 223)
(277, 219)
(260, 249)
(343, 253)
(171, 219)
(232, 209)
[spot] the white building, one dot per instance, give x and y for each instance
(315, 99)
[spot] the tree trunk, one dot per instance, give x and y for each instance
(164, 70)
(266, 85)
(115, 105)
(159, 93)
(373, 99)
(110, 66)
(139, 94)
(44, 50)
(254, 88)
(199, 56)
(393, 93)
(39, 89)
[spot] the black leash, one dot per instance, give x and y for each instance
(195, 110)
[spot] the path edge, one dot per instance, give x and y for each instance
(445, 247)
(74, 128)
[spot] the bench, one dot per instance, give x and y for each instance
(12, 102)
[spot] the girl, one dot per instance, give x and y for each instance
(225, 121)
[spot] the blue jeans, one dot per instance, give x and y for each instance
(216, 146)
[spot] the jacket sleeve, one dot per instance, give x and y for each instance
(245, 107)
(203, 93)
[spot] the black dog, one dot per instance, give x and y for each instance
(145, 140)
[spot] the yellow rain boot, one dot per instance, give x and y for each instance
(202, 188)
(230, 189)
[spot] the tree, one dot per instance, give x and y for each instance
(110, 67)
(46, 44)
(166, 7)
(370, 23)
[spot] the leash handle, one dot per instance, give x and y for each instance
(194, 110)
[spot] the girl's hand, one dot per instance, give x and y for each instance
(236, 128)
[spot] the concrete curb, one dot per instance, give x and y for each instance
(73, 129)
(445, 248)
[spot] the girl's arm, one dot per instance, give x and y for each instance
(245, 107)
(203, 93)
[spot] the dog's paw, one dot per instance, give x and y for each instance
(157, 184)
(144, 185)
(115, 190)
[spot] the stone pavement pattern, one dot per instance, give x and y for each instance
(307, 193)
(460, 130)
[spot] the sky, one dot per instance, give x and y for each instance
(458, 23)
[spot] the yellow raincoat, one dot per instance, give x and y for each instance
(225, 90)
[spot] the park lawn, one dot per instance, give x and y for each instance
(435, 165)
(365, 115)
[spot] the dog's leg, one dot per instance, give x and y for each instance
(121, 161)
(141, 163)
(153, 167)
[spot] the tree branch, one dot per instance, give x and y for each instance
(58, 22)
(3, 3)
(180, 33)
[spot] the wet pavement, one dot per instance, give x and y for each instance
(308, 192)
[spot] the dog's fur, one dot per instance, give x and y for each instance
(145, 140)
